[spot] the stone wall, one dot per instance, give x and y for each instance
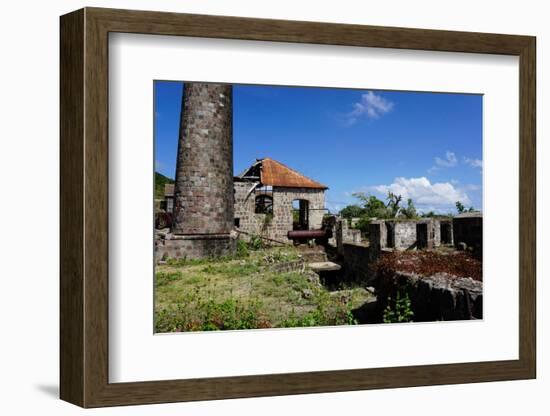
(378, 234)
(345, 235)
(281, 222)
(436, 227)
(434, 298)
(350, 235)
(404, 235)
(287, 267)
(193, 247)
(424, 235)
(248, 221)
(357, 259)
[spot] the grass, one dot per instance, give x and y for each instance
(243, 292)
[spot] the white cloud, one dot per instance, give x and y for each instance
(370, 106)
(449, 161)
(424, 193)
(475, 163)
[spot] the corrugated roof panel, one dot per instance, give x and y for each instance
(274, 173)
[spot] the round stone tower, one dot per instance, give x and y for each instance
(203, 194)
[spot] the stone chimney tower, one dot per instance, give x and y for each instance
(203, 194)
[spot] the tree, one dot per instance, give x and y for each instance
(410, 210)
(352, 211)
(368, 208)
(460, 207)
(363, 225)
(393, 203)
(372, 206)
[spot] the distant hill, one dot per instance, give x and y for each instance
(160, 181)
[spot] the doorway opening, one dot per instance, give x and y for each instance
(300, 214)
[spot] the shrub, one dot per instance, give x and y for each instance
(363, 225)
(256, 243)
(242, 249)
(398, 310)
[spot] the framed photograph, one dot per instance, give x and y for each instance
(257, 207)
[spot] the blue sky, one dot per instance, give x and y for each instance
(424, 146)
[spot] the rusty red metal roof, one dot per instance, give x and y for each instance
(274, 173)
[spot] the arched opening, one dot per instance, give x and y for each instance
(300, 214)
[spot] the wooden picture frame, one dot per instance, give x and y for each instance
(84, 207)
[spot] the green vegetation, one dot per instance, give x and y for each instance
(245, 292)
(409, 211)
(461, 208)
(352, 211)
(160, 181)
(371, 207)
(399, 309)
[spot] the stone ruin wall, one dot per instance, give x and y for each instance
(404, 233)
(357, 262)
(193, 247)
(350, 235)
(439, 297)
(343, 234)
(281, 223)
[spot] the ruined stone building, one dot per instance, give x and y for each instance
(272, 199)
(411, 234)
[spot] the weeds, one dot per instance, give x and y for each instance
(209, 315)
(327, 312)
(243, 292)
(163, 278)
(242, 249)
(231, 270)
(398, 310)
(256, 243)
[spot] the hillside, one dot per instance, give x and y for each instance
(160, 181)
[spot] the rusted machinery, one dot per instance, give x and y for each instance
(306, 234)
(303, 236)
(320, 236)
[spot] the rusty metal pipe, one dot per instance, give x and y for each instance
(303, 234)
